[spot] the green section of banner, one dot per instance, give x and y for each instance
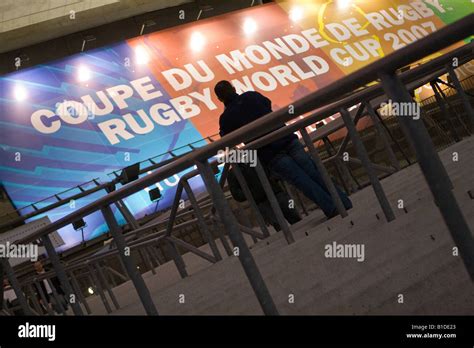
(454, 9)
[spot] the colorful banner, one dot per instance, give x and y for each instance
(79, 118)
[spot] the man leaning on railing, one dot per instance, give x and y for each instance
(285, 157)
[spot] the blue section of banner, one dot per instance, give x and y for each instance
(35, 165)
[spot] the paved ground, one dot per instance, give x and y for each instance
(411, 256)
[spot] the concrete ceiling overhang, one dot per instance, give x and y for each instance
(27, 22)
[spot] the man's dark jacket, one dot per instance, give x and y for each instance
(248, 107)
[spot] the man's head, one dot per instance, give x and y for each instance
(225, 91)
(39, 267)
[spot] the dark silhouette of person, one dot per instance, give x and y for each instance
(284, 157)
(258, 194)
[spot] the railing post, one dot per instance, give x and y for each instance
(462, 94)
(397, 144)
(99, 288)
(107, 287)
(127, 214)
(324, 173)
(173, 250)
(60, 306)
(77, 289)
(12, 279)
(61, 273)
(450, 106)
(130, 265)
(383, 135)
(202, 224)
(177, 257)
(42, 295)
(364, 158)
(245, 189)
(444, 111)
(435, 174)
(245, 256)
(34, 299)
(274, 202)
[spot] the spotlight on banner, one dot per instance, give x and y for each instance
(141, 55)
(155, 194)
(79, 225)
(343, 4)
(197, 41)
(296, 13)
(250, 26)
(129, 173)
(83, 73)
(20, 93)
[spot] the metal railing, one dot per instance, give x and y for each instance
(19, 217)
(335, 96)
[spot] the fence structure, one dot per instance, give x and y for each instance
(350, 92)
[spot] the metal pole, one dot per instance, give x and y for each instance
(393, 137)
(364, 158)
(224, 174)
(444, 111)
(435, 174)
(124, 210)
(222, 237)
(177, 258)
(130, 265)
(110, 278)
(151, 259)
(99, 288)
(34, 299)
(174, 208)
(383, 135)
(78, 291)
(462, 94)
(274, 203)
(117, 273)
(173, 250)
(324, 173)
(43, 296)
(60, 273)
(12, 279)
(450, 106)
(106, 285)
(245, 188)
(56, 298)
(146, 260)
(245, 256)
(296, 194)
(127, 214)
(341, 167)
(202, 224)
